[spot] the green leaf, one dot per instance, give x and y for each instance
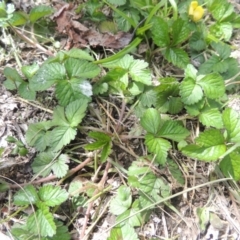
(46, 76)
(42, 222)
(122, 201)
(175, 171)
(177, 57)
(148, 98)
(39, 12)
(117, 2)
(106, 151)
(126, 232)
(158, 146)
(60, 167)
(135, 88)
(222, 30)
(175, 105)
(61, 232)
(73, 89)
(213, 85)
(27, 195)
(52, 195)
(197, 42)
(26, 92)
(76, 111)
(59, 118)
(18, 18)
(173, 130)
(78, 53)
(210, 145)
(61, 136)
(30, 70)
(151, 121)
(190, 72)
(160, 38)
(81, 68)
(13, 78)
(211, 117)
(222, 49)
(42, 163)
(221, 10)
(180, 31)
(190, 91)
(230, 165)
(231, 121)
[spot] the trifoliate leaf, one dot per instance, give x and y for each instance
(46, 76)
(173, 130)
(52, 195)
(230, 165)
(42, 222)
(177, 57)
(222, 30)
(151, 121)
(60, 167)
(39, 12)
(160, 38)
(213, 85)
(79, 68)
(42, 163)
(122, 201)
(180, 31)
(190, 91)
(76, 111)
(221, 10)
(26, 196)
(211, 117)
(210, 145)
(158, 146)
(231, 121)
(71, 90)
(61, 136)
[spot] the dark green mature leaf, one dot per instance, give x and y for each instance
(26, 92)
(151, 121)
(26, 196)
(197, 42)
(52, 195)
(76, 111)
(46, 76)
(79, 68)
(180, 31)
(175, 105)
(230, 165)
(222, 49)
(61, 136)
(73, 89)
(210, 145)
(158, 146)
(177, 56)
(42, 163)
(231, 121)
(39, 12)
(190, 91)
(42, 222)
(213, 85)
(160, 32)
(173, 130)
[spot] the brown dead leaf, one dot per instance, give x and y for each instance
(80, 36)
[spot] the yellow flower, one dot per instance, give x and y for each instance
(195, 11)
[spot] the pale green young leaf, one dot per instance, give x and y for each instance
(39, 12)
(210, 145)
(173, 130)
(61, 136)
(180, 31)
(126, 232)
(42, 163)
(195, 109)
(221, 10)
(211, 118)
(136, 88)
(148, 98)
(42, 222)
(26, 196)
(175, 171)
(158, 146)
(60, 167)
(52, 195)
(76, 111)
(190, 91)
(30, 70)
(122, 201)
(230, 165)
(222, 30)
(18, 18)
(117, 2)
(78, 53)
(13, 78)
(151, 120)
(231, 121)
(213, 85)
(177, 57)
(79, 68)
(136, 169)
(36, 135)
(190, 72)
(46, 76)
(160, 38)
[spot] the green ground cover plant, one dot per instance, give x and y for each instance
(190, 36)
